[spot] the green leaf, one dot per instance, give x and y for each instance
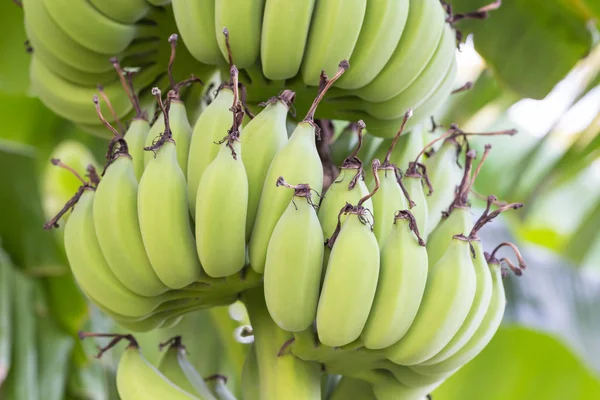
(531, 45)
(522, 364)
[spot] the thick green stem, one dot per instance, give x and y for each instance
(280, 376)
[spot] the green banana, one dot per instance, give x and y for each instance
(379, 35)
(351, 268)
(40, 25)
(293, 263)
(344, 142)
(211, 127)
(6, 308)
(138, 379)
(445, 174)
(117, 227)
(221, 207)
(417, 45)
(124, 12)
(478, 310)
(175, 366)
(299, 162)
(281, 374)
(283, 38)
(90, 267)
(164, 217)
(243, 20)
(263, 137)
(387, 387)
(401, 285)
(413, 182)
(136, 138)
(196, 24)
(90, 28)
(460, 220)
(449, 293)
(484, 333)
(334, 31)
(418, 92)
(347, 187)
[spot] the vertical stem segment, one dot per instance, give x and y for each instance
(280, 376)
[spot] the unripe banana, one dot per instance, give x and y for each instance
(478, 310)
(136, 138)
(445, 173)
(250, 375)
(294, 262)
(221, 207)
(211, 127)
(459, 221)
(347, 187)
(125, 12)
(413, 182)
(118, 230)
(181, 133)
(164, 216)
(389, 388)
(350, 388)
(483, 335)
(334, 31)
(416, 47)
(283, 38)
(299, 162)
(343, 144)
(138, 379)
(379, 34)
(243, 20)
(263, 137)
(401, 284)
(90, 267)
(353, 268)
(196, 24)
(448, 296)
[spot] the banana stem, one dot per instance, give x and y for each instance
(280, 376)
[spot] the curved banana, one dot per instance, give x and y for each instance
(73, 101)
(263, 137)
(283, 37)
(136, 141)
(175, 366)
(414, 187)
(417, 45)
(448, 296)
(243, 20)
(419, 90)
(460, 221)
(39, 24)
(353, 269)
(402, 280)
(181, 131)
(334, 31)
(412, 379)
(445, 173)
(299, 162)
(221, 208)
(350, 388)
(118, 230)
(379, 35)
(91, 269)
(481, 303)
(138, 379)
(293, 264)
(165, 222)
(63, 69)
(196, 25)
(483, 335)
(125, 12)
(389, 388)
(211, 127)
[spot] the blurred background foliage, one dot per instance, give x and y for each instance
(535, 65)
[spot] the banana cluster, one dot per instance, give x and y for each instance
(401, 52)
(173, 378)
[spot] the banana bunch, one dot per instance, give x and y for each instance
(174, 377)
(401, 52)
